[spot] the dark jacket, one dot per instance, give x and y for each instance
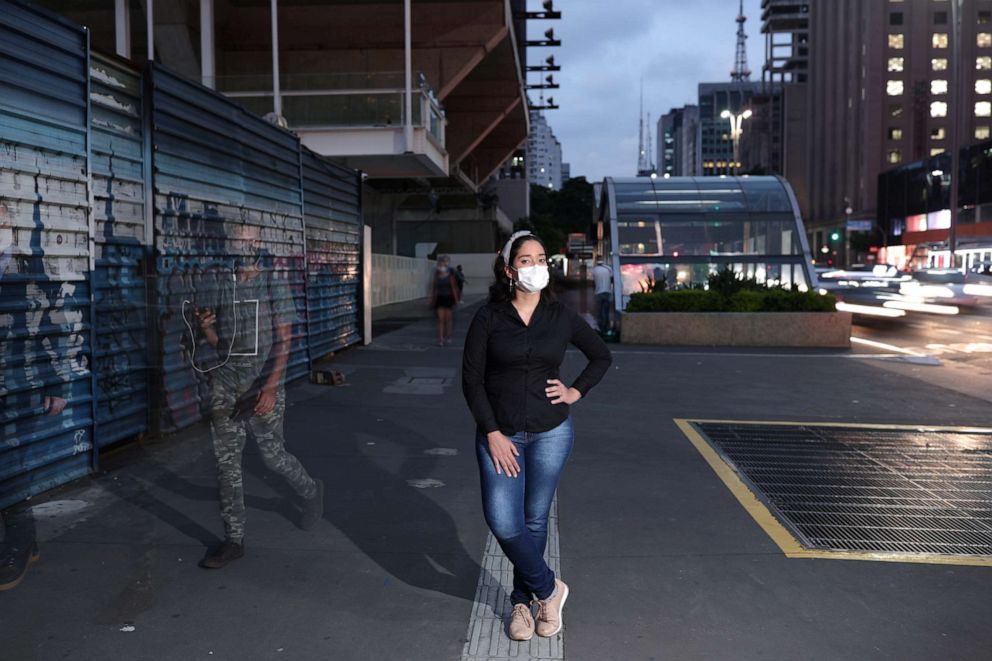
(507, 364)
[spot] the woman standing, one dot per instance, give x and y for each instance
(514, 349)
(444, 298)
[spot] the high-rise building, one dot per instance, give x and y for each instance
(775, 141)
(678, 142)
(716, 140)
(544, 163)
(880, 94)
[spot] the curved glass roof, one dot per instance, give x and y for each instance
(701, 195)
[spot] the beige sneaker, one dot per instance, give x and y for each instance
(549, 619)
(521, 623)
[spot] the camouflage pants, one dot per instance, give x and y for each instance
(229, 439)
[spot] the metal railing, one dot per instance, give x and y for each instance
(340, 100)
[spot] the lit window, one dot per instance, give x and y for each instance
(897, 41)
(938, 133)
(936, 151)
(983, 86)
(896, 64)
(895, 156)
(939, 64)
(895, 134)
(983, 63)
(938, 109)
(983, 109)
(893, 87)
(938, 87)
(984, 39)
(983, 132)
(940, 40)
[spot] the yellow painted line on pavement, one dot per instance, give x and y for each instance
(781, 535)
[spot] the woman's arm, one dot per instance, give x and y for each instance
(474, 372)
(591, 344)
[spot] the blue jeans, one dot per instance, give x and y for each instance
(517, 508)
(603, 318)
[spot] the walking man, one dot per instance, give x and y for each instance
(251, 330)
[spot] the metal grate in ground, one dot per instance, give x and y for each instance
(868, 489)
(487, 639)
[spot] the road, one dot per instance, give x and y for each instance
(966, 337)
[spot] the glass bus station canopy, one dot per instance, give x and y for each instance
(682, 229)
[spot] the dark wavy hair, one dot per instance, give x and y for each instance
(502, 290)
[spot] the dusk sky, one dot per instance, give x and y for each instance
(609, 44)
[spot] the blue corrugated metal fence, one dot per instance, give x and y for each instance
(122, 194)
(45, 254)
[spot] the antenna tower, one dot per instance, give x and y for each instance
(741, 73)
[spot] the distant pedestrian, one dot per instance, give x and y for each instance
(510, 377)
(460, 280)
(445, 295)
(602, 278)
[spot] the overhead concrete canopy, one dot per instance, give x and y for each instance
(465, 49)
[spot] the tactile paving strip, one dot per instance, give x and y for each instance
(847, 488)
(487, 639)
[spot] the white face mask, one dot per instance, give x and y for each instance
(533, 279)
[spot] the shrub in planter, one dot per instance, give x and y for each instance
(741, 300)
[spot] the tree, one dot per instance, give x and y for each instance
(555, 214)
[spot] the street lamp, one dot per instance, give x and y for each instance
(736, 129)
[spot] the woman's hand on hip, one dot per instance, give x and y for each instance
(559, 393)
(504, 453)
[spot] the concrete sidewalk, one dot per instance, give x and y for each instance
(663, 562)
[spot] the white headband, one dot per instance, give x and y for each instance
(509, 245)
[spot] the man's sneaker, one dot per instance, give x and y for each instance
(521, 623)
(549, 619)
(222, 555)
(14, 563)
(313, 509)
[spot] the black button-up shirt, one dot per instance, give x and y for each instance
(507, 364)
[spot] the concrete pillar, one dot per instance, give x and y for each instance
(208, 68)
(408, 75)
(276, 91)
(150, 28)
(122, 28)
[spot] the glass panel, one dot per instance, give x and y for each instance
(678, 236)
(939, 40)
(939, 64)
(767, 195)
(721, 195)
(678, 274)
(672, 196)
(896, 41)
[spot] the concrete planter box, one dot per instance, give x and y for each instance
(738, 329)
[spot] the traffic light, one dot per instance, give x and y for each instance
(835, 236)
